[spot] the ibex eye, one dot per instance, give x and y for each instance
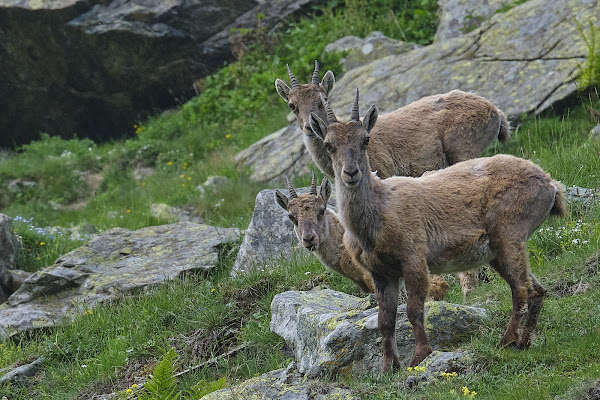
(328, 147)
(292, 218)
(292, 107)
(366, 141)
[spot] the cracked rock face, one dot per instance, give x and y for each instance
(332, 333)
(522, 60)
(117, 262)
(96, 66)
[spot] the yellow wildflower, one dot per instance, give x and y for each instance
(228, 136)
(129, 391)
(189, 178)
(42, 243)
(409, 368)
(170, 163)
(128, 211)
(212, 290)
(134, 385)
(185, 165)
(143, 183)
(182, 176)
(89, 312)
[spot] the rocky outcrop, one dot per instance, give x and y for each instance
(9, 246)
(21, 373)
(522, 60)
(270, 236)
(96, 67)
(117, 262)
(458, 17)
(332, 333)
(373, 47)
(282, 384)
(278, 155)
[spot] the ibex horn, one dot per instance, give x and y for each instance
(315, 77)
(354, 116)
(293, 193)
(292, 77)
(330, 115)
(313, 184)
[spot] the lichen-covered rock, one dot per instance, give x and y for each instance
(583, 197)
(270, 236)
(440, 362)
(282, 384)
(331, 332)
(117, 262)
(458, 17)
(522, 60)
(276, 156)
(22, 372)
(165, 212)
(9, 247)
(363, 51)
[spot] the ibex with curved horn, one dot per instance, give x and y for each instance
(475, 212)
(428, 134)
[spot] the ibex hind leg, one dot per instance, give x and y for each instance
(535, 303)
(512, 264)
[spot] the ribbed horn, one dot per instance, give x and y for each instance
(292, 77)
(313, 184)
(330, 115)
(354, 116)
(293, 193)
(315, 77)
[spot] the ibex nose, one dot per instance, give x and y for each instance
(309, 240)
(351, 174)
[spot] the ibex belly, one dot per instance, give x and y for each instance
(469, 256)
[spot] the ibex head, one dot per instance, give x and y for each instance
(305, 99)
(307, 212)
(346, 142)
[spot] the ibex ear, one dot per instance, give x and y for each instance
(317, 125)
(325, 190)
(328, 81)
(282, 88)
(370, 118)
(281, 199)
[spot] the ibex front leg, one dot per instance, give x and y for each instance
(416, 282)
(386, 290)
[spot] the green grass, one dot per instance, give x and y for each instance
(116, 345)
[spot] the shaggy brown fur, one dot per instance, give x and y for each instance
(320, 231)
(428, 134)
(475, 212)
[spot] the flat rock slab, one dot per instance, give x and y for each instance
(115, 263)
(282, 384)
(332, 332)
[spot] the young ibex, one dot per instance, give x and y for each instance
(472, 213)
(320, 231)
(428, 134)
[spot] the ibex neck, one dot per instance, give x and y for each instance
(359, 208)
(331, 247)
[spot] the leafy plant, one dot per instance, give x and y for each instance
(161, 384)
(589, 74)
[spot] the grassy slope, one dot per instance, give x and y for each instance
(117, 345)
